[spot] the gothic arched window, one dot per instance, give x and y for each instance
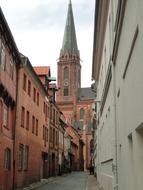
(66, 73)
(81, 113)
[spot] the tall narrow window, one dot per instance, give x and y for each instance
(66, 91)
(43, 132)
(56, 137)
(47, 135)
(36, 127)
(20, 159)
(24, 82)
(22, 116)
(7, 159)
(34, 94)
(3, 57)
(27, 120)
(81, 113)
(33, 124)
(5, 117)
(11, 67)
(66, 73)
(37, 99)
(54, 116)
(29, 87)
(53, 137)
(26, 157)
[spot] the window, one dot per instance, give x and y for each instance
(34, 94)
(57, 118)
(56, 137)
(11, 67)
(48, 111)
(47, 135)
(43, 132)
(54, 116)
(24, 82)
(53, 137)
(20, 159)
(7, 159)
(51, 134)
(66, 91)
(51, 114)
(37, 99)
(33, 124)
(27, 120)
(36, 127)
(81, 113)
(66, 73)
(3, 57)
(5, 117)
(29, 87)
(44, 107)
(26, 157)
(22, 117)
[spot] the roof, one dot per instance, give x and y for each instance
(69, 40)
(86, 94)
(42, 70)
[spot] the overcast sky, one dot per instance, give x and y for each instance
(38, 28)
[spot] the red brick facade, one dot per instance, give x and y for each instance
(32, 128)
(9, 61)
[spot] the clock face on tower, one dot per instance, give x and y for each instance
(66, 83)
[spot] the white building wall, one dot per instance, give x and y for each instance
(106, 153)
(125, 113)
(129, 101)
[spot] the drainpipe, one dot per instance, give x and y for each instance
(115, 166)
(15, 121)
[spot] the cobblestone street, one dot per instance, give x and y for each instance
(73, 181)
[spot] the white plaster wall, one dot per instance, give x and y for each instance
(129, 103)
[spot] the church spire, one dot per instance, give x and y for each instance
(69, 40)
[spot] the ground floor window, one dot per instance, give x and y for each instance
(20, 159)
(26, 157)
(7, 159)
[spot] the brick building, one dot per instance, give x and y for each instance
(75, 102)
(9, 62)
(32, 127)
(44, 75)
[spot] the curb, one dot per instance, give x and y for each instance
(37, 184)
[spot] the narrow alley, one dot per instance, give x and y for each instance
(73, 181)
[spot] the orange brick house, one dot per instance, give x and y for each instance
(32, 127)
(45, 77)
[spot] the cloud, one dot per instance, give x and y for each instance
(38, 28)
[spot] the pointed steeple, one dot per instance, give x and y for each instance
(69, 40)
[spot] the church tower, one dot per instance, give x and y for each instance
(69, 68)
(73, 101)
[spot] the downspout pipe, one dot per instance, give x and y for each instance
(15, 124)
(115, 167)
